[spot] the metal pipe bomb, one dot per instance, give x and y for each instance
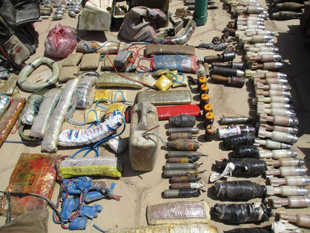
(172, 154)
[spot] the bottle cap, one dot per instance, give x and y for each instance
(209, 115)
(202, 80)
(204, 87)
(204, 97)
(208, 108)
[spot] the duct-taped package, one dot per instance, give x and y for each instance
(31, 109)
(4, 104)
(97, 166)
(182, 212)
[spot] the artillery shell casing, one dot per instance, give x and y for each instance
(183, 144)
(177, 166)
(184, 179)
(174, 136)
(172, 154)
(235, 120)
(183, 186)
(184, 130)
(188, 172)
(170, 193)
(183, 160)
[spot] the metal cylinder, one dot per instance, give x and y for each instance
(189, 172)
(172, 154)
(181, 193)
(184, 179)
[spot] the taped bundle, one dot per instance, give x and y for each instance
(103, 166)
(182, 212)
(68, 138)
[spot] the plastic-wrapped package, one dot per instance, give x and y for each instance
(115, 80)
(242, 213)
(82, 91)
(101, 94)
(165, 97)
(49, 143)
(10, 116)
(112, 108)
(31, 109)
(181, 63)
(98, 166)
(182, 212)
(33, 173)
(9, 87)
(69, 138)
(167, 228)
(247, 166)
(239, 190)
(117, 144)
(96, 46)
(4, 104)
(47, 107)
(60, 41)
(163, 83)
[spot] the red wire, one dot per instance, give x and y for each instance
(124, 76)
(63, 226)
(15, 129)
(4, 53)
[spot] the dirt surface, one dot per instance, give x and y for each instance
(138, 190)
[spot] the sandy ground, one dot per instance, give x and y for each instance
(138, 190)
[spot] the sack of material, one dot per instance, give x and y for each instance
(139, 24)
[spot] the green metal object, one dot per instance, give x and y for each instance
(201, 12)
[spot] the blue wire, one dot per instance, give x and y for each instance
(176, 76)
(114, 97)
(98, 228)
(77, 123)
(85, 148)
(95, 147)
(54, 220)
